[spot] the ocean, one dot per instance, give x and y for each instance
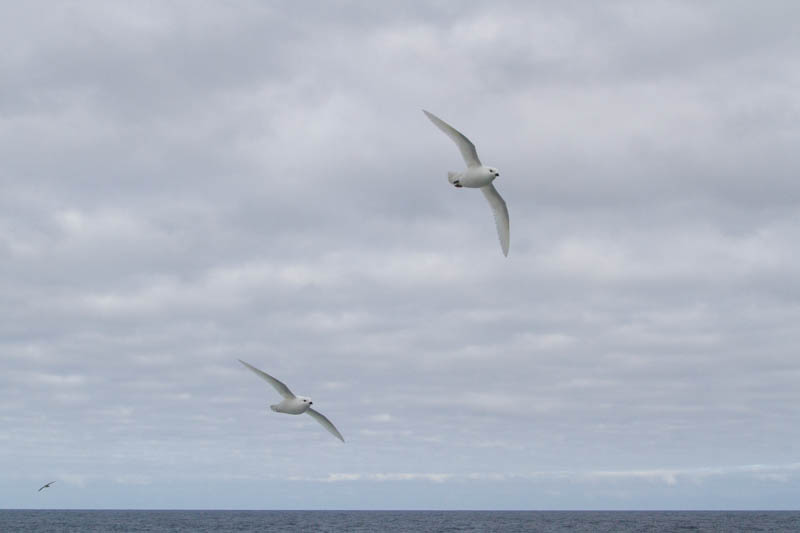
(391, 521)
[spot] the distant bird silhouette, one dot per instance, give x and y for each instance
(47, 486)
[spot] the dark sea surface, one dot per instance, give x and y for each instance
(421, 521)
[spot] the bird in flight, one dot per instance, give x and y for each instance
(45, 486)
(294, 405)
(476, 176)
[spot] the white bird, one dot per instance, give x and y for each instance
(45, 486)
(294, 405)
(477, 176)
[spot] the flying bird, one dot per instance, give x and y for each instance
(294, 405)
(476, 176)
(45, 486)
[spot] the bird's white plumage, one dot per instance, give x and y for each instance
(477, 176)
(279, 386)
(466, 147)
(500, 215)
(327, 424)
(294, 404)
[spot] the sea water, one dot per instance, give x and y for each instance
(391, 521)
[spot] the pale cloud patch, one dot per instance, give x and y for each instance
(76, 480)
(335, 385)
(666, 476)
(669, 477)
(57, 379)
(133, 479)
(338, 477)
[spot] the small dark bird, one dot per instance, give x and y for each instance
(47, 486)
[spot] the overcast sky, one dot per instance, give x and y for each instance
(187, 183)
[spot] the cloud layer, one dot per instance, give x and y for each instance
(184, 185)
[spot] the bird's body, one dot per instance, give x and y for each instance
(477, 176)
(294, 405)
(473, 177)
(45, 486)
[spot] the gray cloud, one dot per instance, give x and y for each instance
(185, 185)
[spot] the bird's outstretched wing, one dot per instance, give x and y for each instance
(46, 485)
(468, 151)
(282, 389)
(500, 215)
(319, 417)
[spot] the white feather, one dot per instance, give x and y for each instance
(466, 147)
(327, 424)
(500, 211)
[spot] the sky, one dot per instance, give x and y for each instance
(184, 184)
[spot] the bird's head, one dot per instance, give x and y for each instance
(305, 400)
(493, 172)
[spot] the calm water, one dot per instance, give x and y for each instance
(417, 521)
